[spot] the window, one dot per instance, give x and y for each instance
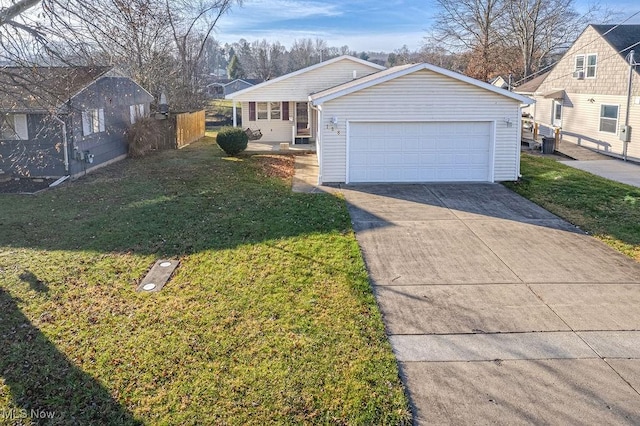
(263, 110)
(579, 63)
(14, 127)
(609, 118)
(591, 65)
(274, 110)
(92, 121)
(136, 112)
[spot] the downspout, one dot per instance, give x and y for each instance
(64, 142)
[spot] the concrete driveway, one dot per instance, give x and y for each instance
(497, 311)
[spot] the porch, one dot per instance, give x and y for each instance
(282, 147)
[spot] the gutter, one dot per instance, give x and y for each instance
(64, 142)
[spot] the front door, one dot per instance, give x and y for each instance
(557, 113)
(302, 119)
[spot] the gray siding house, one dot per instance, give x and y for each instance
(65, 121)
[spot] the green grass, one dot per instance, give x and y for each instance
(268, 319)
(609, 210)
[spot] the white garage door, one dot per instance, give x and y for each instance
(419, 152)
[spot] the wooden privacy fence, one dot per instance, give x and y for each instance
(180, 129)
(189, 127)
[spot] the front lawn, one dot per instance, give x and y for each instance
(268, 319)
(609, 210)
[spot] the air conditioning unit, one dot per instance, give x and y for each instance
(578, 74)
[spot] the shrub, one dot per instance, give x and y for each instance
(144, 136)
(232, 140)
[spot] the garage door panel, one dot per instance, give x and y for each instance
(419, 152)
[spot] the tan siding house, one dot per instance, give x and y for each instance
(279, 108)
(585, 94)
(418, 123)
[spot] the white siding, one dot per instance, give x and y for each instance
(581, 122)
(272, 130)
(299, 87)
(421, 96)
(581, 105)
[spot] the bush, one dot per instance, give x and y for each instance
(144, 137)
(232, 140)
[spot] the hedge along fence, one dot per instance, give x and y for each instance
(173, 132)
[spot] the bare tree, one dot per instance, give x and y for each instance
(538, 28)
(471, 25)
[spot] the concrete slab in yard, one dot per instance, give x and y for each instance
(628, 369)
(539, 254)
(464, 309)
(158, 276)
(559, 392)
(487, 347)
(487, 201)
(594, 306)
(614, 344)
(434, 252)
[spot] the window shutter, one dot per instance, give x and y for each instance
(252, 111)
(285, 111)
(132, 113)
(101, 119)
(20, 122)
(141, 110)
(86, 123)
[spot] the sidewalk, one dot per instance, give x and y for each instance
(600, 164)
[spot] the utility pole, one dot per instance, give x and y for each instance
(626, 135)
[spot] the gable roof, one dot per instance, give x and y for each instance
(303, 71)
(532, 85)
(399, 71)
(44, 88)
(622, 37)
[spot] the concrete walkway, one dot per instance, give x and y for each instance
(305, 178)
(498, 311)
(613, 169)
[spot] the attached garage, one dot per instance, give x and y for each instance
(418, 123)
(438, 151)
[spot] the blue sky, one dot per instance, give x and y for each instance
(369, 25)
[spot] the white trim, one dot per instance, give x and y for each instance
(600, 117)
(492, 140)
(575, 62)
(586, 65)
(393, 73)
(302, 71)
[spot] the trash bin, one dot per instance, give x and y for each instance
(548, 144)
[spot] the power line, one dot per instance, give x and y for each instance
(581, 47)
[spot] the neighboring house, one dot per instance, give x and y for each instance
(280, 108)
(221, 88)
(60, 121)
(530, 88)
(418, 123)
(585, 94)
(500, 82)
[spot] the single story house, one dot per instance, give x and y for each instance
(221, 88)
(64, 121)
(280, 107)
(411, 123)
(593, 94)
